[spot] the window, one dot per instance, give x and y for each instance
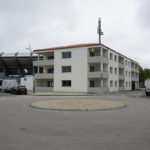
(129, 63)
(111, 83)
(115, 83)
(66, 83)
(115, 58)
(41, 70)
(92, 83)
(126, 62)
(50, 70)
(50, 57)
(111, 56)
(126, 83)
(35, 69)
(129, 73)
(66, 54)
(92, 53)
(111, 70)
(126, 73)
(50, 84)
(92, 68)
(66, 68)
(115, 70)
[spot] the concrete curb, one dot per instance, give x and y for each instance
(102, 109)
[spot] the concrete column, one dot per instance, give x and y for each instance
(38, 70)
(44, 70)
(101, 51)
(101, 82)
(102, 67)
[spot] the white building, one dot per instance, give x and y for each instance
(89, 67)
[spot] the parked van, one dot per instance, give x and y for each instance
(147, 87)
(8, 84)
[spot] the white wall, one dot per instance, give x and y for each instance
(127, 77)
(28, 83)
(114, 77)
(79, 65)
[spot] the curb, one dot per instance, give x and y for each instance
(83, 110)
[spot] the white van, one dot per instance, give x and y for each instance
(147, 87)
(8, 84)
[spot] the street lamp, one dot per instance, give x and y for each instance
(33, 73)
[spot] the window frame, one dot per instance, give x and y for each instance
(68, 83)
(50, 83)
(65, 55)
(66, 69)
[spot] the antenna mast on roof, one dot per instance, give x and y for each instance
(99, 30)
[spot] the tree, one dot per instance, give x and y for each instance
(146, 73)
(143, 75)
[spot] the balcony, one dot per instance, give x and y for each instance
(121, 88)
(43, 62)
(134, 69)
(121, 77)
(44, 76)
(133, 78)
(95, 59)
(121, 65)
(98, 74)
(94, 74)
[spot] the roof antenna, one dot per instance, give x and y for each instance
(99, 30)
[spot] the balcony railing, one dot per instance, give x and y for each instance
(43, 62)
(121, 77)
(121, 88)
(133, 78)
(121, 65)
(98, 74)
(44, 76)
(93, 59)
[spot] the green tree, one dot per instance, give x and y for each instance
(143, 75)
(146, 73)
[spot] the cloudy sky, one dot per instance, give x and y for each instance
(48, 23)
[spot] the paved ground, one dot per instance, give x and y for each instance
(25, 128)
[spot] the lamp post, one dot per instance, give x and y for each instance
(33, 73)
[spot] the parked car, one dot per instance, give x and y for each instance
(147, 87)
(19, 90)
(8, 84)
(0, 84)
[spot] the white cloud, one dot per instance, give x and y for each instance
(47, 23)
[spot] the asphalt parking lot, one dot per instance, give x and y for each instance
(26, 128)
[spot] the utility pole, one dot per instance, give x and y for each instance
(33, 73)
(99, 30)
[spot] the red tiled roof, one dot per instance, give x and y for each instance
(79, 45)
(68, 46)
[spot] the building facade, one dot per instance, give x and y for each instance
(84, 68)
